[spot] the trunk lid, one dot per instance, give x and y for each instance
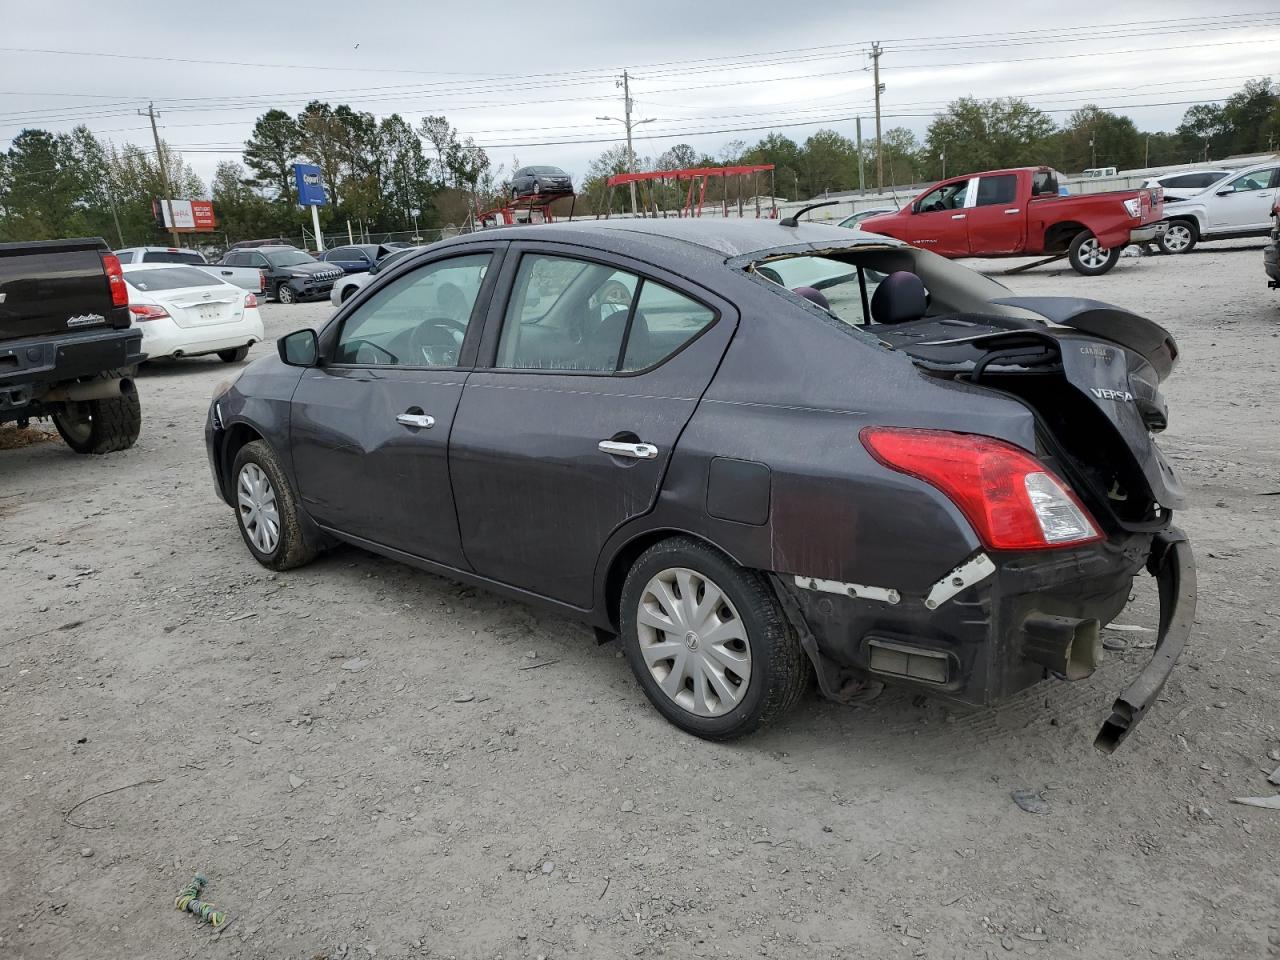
(201, 307)
(53, 287)
(1096, 399)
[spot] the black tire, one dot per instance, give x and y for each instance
(235, 355)
(286, 293)
(291, 548)
(1084, 259)
(779, 670)
(347, 294)
(1181, 237)
(100, 426)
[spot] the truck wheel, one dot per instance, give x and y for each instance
(1089, 257)
(235, 355)
(100, 426)
(708, 642)
(266, 509)
(1181, 237)
(286, 294)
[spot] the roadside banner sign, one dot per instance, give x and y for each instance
(189, 216)
(310, 183)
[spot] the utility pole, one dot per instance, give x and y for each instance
(627, 103)
(164, 172)
(631, 154)
(861, 173)
(875, 64)
(1093, 153)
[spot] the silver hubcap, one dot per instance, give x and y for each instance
(1177, 238)
(1093, 254)
(693, 642)
(258, 512)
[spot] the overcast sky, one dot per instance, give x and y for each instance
(520, 76)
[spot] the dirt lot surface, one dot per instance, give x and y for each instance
(357, 758)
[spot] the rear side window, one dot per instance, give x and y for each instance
(176, 279)
(999, 189)
(172, 256)
(1045, 183)
(575, 316)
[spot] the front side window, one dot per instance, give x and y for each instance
(575, 316)
(951, 196)
(997, 190)
(418, 320)
(1258, 180)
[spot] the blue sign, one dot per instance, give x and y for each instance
(311, 192)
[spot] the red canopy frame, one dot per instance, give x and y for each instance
(697, 177)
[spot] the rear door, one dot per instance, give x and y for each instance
(938, 220)
(996, 223)
(596, 363)
(370, 426)
(1244, 201)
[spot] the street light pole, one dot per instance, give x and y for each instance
(875, 62)
(164, 172)
(627, 123)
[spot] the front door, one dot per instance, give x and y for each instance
(1244, 202)
(938, 220)
(996, 223)
(371, 425)
(596, 370)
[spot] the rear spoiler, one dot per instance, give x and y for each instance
(1106, 322)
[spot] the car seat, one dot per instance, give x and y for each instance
(899, 298)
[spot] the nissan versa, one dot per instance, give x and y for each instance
(751, 449)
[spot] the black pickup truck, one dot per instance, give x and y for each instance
(67, 347)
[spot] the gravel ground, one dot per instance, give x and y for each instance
(353, 755)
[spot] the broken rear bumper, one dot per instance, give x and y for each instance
(1174, 568)
(992, 627)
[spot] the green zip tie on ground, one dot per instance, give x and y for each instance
(188, 900)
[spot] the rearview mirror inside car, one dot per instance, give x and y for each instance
(299, 349)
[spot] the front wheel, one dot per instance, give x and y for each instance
(708, 641)
(1089, 257)
(347, 294)
(286, 294)
(100, 426)
(1181, 237)
(266, 510)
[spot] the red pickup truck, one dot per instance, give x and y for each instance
(1020, 213)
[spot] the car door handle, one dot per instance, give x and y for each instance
(1014, 210)
(957, 216)
(637, 451)
(416, 420)
(226, 273)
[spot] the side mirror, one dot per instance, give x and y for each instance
(300, 348)
(1225, 193)
(915, 207)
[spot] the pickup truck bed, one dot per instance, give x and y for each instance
(67, 346)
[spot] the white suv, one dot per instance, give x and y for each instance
(1239, 206)
(1187, 183)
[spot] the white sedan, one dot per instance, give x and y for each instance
(184, 312)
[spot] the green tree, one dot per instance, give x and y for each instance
(1093, 134)
(1203, 130)
(830, 163)
(989, 134)
(271, 151)
(1251, 118)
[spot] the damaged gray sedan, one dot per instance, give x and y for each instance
(755, 451)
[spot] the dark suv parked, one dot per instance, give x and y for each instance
(291, 274)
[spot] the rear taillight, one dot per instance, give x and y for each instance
(262, 281)
(250, 301)
(1134, 207)
(1010, 498)
(115, 280)
(147, 311)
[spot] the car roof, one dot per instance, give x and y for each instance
(712, 238)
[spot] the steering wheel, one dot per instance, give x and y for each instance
(437, 341)
(368, 353)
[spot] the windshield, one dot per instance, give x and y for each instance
(176, 278)
(288, 258)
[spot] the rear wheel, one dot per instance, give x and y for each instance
(708, 641)
(286, 294)
(235, 355)
(1090, 257)
(1181, 237)
(100, 426)
(266, 510)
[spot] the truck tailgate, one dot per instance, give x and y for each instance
(55, 286)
